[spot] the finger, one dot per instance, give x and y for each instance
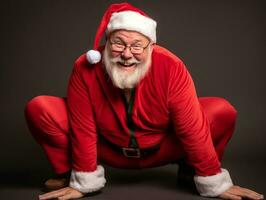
(252, 192)
(55, 191)
(251, 196)
(244, 192)
(54, 194)
(72, 194)
(66, 196)
(227, 195)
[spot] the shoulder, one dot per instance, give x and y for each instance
(165, 55)
(165, 60)
(84, 71)
(81, 63)
(83, 67)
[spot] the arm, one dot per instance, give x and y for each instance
(193, 130)
(190, 122)
(86, 176)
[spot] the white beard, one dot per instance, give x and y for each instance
(124, 79)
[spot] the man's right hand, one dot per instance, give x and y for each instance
(62, 194)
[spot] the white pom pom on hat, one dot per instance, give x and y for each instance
(93, 56)
(122, 16)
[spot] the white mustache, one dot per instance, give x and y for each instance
(124, 62)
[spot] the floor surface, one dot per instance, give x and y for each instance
(156, 183)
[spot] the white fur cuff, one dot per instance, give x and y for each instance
(213, 186)
(86, 182)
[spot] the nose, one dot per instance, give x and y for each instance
(126, 54)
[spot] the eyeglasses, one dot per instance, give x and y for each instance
(120, 47)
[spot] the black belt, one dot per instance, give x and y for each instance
(130, 152)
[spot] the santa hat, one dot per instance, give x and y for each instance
(122, 16)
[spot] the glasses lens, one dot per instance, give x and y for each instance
(118, 47)
(136, 50)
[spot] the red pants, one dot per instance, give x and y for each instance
(47, 120)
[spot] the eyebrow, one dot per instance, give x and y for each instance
(134, 42)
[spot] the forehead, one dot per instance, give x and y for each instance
(129, 36)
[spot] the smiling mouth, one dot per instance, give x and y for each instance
(126, 65)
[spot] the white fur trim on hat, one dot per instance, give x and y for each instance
(93, 56)
(86, 182)
(133, 21)
(213, 186)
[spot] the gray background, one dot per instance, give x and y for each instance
(222, 44)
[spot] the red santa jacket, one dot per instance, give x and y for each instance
(164, 98)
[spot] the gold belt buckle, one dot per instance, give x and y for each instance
(131, 152)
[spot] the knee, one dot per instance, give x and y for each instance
(34, 109)
(225, 112)
(34, 106)
(43, 121)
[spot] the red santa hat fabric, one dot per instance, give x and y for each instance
(122, 16)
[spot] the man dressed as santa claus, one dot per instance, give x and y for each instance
(132, 104)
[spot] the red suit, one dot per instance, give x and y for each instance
(166, 111)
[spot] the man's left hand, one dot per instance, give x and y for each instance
(62, 194)
(236, 192)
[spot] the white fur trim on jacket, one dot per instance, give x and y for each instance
(133, 21)
(213, 186)
(86, 182)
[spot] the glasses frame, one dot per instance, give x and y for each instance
(126, 46)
